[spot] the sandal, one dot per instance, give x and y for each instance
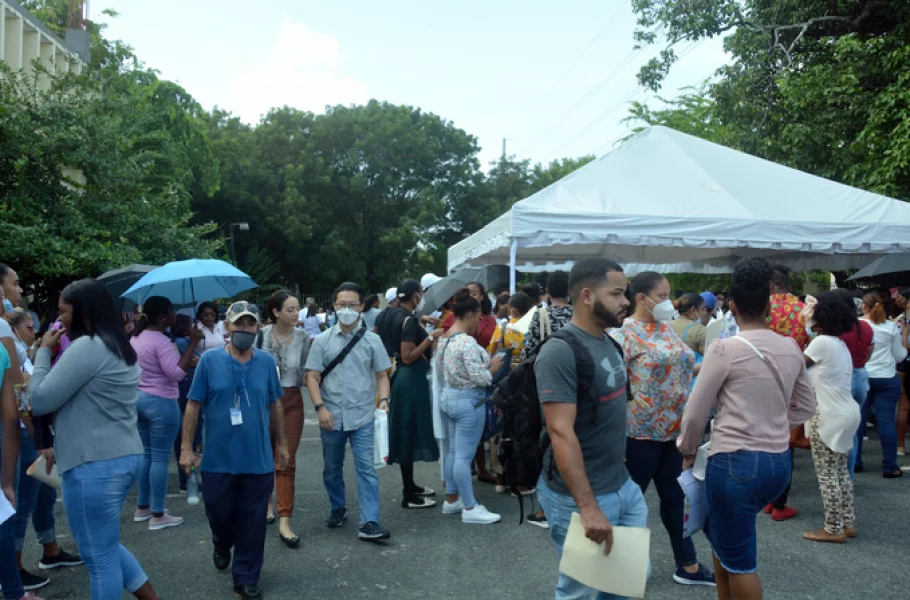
(291, 542)
(270, 519)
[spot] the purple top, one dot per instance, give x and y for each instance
(159, 359)
(64, 343)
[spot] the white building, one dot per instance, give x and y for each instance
(24, 40)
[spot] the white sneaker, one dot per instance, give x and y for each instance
(901, 452)
(164, 521)
(452, 508)
(479, 515)
(905, 469)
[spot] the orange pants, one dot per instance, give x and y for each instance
(292, 403)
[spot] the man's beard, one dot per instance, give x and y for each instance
(608, 319)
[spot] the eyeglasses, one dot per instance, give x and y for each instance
(354, 306)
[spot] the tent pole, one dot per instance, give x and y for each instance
(513, 259)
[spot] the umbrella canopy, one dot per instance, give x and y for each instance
(886, 265)
(191, 281)
(120, 280)
(491, 277)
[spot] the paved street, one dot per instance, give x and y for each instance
(432, 556)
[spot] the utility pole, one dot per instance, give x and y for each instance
(503, 160)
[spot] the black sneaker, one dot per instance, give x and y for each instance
(337, 518)
(372, 531)
(417, 502)
(30, 581)
(424, 492)
(64, 559)
(221, 561)
(248, 591)
(539, 521)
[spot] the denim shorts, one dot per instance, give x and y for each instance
(738, 485)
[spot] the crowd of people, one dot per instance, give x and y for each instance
(630, 379)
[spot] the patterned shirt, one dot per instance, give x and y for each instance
(514, 339)
(784, 318)
(659, 366)
(465, 364)
(560, 316)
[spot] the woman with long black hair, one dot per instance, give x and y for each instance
(411, 421)
(93, 391)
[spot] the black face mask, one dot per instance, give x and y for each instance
(242, 340)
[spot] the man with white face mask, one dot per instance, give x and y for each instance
(345, 366)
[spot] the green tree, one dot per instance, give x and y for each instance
(78, 194)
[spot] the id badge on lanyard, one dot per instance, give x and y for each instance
(236, 414)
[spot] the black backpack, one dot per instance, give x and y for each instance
(524, 438)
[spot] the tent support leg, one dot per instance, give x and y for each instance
(513, 259)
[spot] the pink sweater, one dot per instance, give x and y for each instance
(752, 414)
(159, 360)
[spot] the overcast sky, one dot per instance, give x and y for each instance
(555, 79)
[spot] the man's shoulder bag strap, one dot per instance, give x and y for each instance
(345, 351)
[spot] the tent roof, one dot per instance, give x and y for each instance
(673, 202)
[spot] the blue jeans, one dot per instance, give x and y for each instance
(9, 570)
(464, 427)
(93, 496)
(159, 420)
(33, 498)
(737, 486)
(333, 445)
(625, 507)
(884, 393)
(859, 389)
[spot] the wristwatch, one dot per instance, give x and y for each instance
(319, 406)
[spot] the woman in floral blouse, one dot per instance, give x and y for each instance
(660, 368)
(468, 372)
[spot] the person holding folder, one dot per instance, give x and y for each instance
(583, 470)
(758, 383)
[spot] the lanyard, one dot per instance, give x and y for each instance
(241, 387)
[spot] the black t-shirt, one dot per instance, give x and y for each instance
(415, 333)
(388, 325)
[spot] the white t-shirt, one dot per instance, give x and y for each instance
(889, 350)
(212, 340)
(832, 375)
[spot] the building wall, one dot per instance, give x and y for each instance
(24, 41)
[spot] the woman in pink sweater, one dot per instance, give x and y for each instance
(159, 414)
(757, 382)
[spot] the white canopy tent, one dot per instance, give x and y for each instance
(671, 202)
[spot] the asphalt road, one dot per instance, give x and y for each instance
(434, 556)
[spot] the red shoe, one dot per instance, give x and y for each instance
(782, 514)
(768, 509)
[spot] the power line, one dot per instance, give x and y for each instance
(638, 89)
(583, 52)
(599, 86)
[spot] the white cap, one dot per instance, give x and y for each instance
(391, 294)
(429, 280)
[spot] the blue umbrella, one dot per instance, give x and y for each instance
(191, 281)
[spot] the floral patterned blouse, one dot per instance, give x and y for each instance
(659, 366)
(784, 318)
(465, 364)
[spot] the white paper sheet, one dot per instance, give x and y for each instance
(38, 470)
(696, 504)
(6, 509)
(623, 572)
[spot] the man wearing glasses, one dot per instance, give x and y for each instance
(345, 366)
(240, 393)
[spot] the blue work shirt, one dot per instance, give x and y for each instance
(237, 449)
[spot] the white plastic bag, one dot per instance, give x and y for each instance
(380, 439)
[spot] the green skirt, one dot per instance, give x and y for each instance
(411, 420)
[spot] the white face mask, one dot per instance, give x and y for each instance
(420, 304)
(348, 316)
(663, 311)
